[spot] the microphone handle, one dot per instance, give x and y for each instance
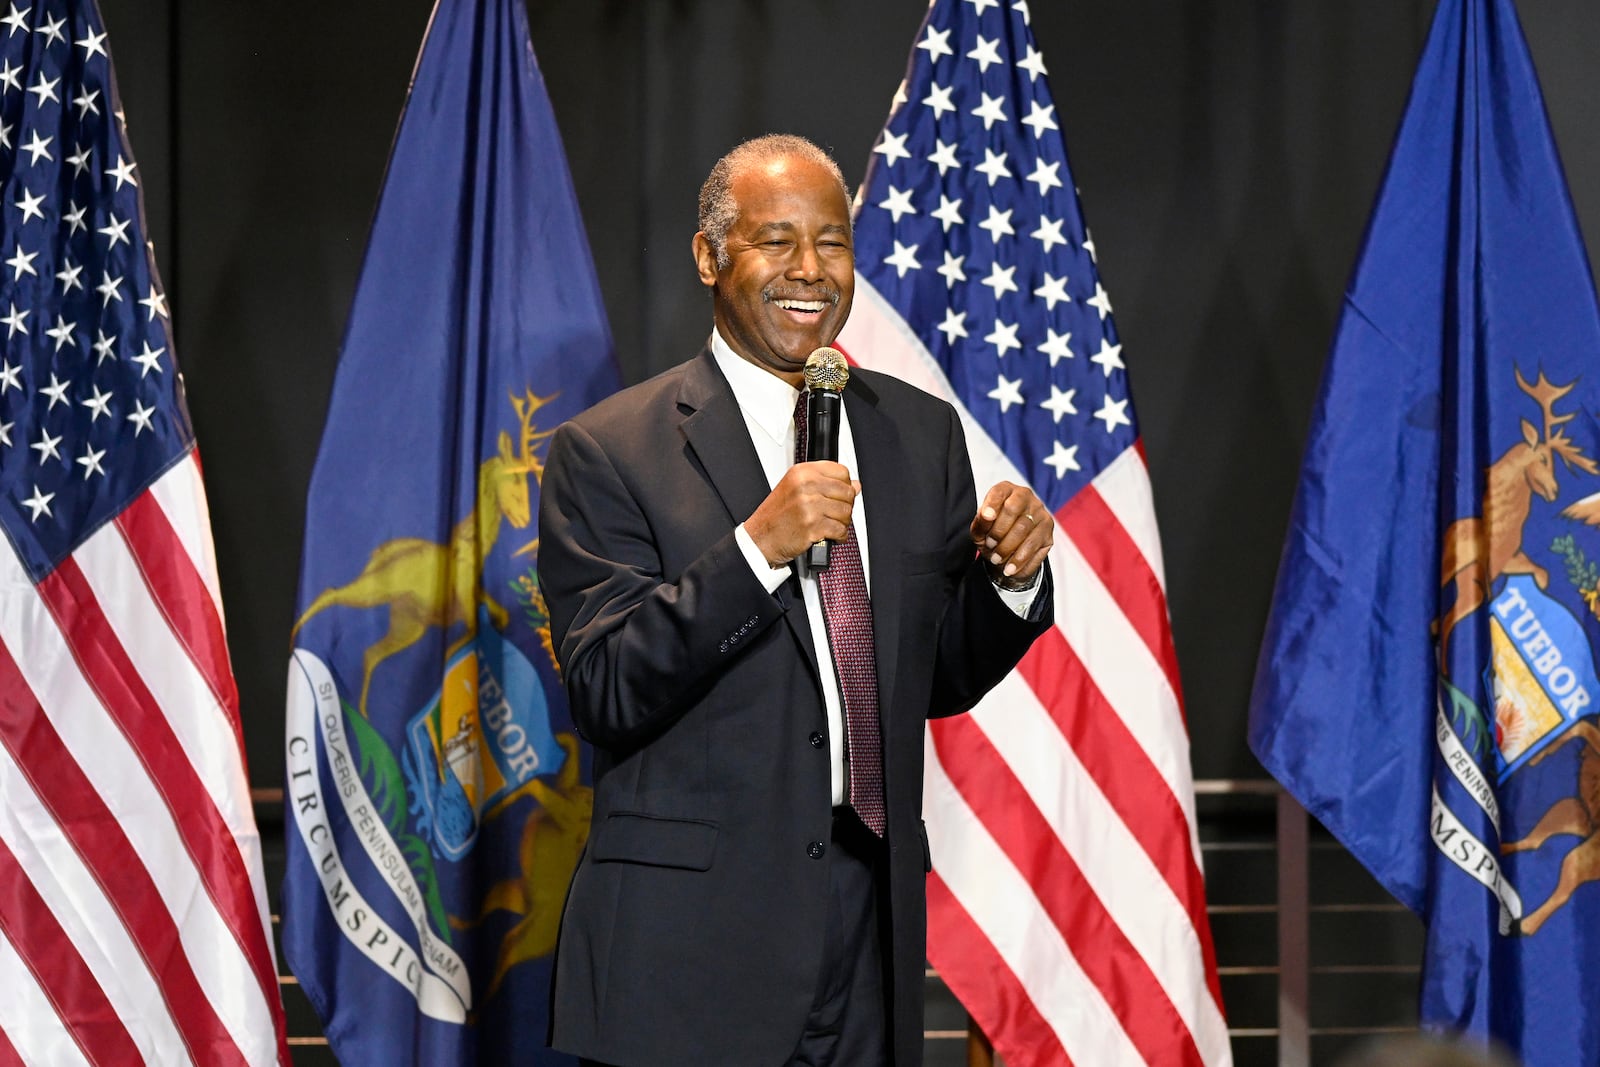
(822, 442)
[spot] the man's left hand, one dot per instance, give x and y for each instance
(1013, 530)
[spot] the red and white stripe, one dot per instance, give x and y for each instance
(1066, 908)
(133, 921)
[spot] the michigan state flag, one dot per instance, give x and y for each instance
(1427, 686)
(436, 800)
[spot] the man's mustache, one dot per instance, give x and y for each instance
(824, 293)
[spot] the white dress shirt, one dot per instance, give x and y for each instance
(767, 403)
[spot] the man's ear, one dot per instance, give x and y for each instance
(705, 259)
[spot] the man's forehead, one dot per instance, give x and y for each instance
(773, 167)
(778, 192)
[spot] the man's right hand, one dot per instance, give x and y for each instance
(810, 503)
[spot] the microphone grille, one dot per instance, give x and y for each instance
(826, 368)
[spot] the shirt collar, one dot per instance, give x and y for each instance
(763, 397)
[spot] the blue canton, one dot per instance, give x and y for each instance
(970, 227)
(91, 408)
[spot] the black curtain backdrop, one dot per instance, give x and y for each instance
(1227, 153)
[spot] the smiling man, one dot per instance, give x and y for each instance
(753, 887)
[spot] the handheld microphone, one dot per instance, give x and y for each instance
(826, 373)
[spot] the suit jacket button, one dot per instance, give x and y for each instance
(724, 646)
(815, 850)
(816, 739)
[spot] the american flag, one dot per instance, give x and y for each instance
(1066, 904)
(132, 907)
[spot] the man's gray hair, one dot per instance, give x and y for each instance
(717, 206)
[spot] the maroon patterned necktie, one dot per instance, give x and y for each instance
(847, 614)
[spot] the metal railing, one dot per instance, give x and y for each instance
(1269, 1024)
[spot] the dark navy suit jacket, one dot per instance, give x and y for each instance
(694, 926)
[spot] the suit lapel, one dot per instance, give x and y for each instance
(719, 438)
(881, 456)
(716, 432)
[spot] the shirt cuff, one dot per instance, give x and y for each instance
(769, 576)
(1020, 601)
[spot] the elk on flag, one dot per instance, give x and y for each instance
(133, 920)
(438, 800)
(1066, 907)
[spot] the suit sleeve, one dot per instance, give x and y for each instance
(980, 639)
(636, 649)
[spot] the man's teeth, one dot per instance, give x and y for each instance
(801, 305)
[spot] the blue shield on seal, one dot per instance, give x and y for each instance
(1541, 675)
(485, 732)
